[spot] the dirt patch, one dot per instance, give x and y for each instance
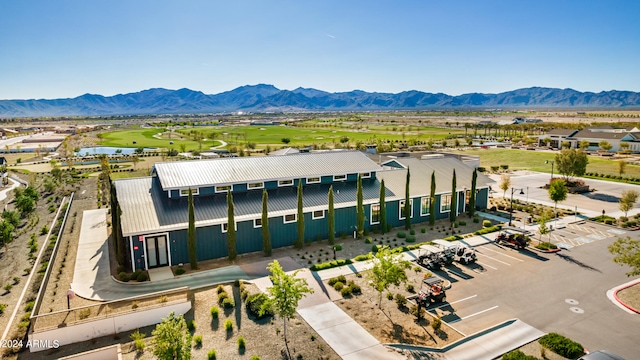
(390, 323)
(631, 296)
(264, 337)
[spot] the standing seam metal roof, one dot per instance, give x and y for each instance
(199, 173)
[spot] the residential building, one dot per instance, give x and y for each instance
(154, 218)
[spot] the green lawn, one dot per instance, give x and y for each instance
(144, 138)
(273, 135)
(534, 160)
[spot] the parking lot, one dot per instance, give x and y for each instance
(563, 292)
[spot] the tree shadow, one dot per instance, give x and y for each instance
(602, 197)
(238, 308)
(571, 260)
(215, 324)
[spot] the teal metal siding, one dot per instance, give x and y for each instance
(239, 187)
(327, 180)
(175, 193)
(271, 185)
(208, 190)
(482, 199)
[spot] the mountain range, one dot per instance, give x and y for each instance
(268, 98)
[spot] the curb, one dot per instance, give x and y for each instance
(615, 296)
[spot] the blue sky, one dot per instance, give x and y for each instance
(54, 49)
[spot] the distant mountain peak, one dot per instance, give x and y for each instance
(266, 97)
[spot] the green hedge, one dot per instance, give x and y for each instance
(331, 264)
(254, 303)
(488, 230)
(546, 246)
(453, 237)
(562, 345)
(517, 355)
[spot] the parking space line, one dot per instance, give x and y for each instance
(509, 256)
(489, 266)
(466, 277)
(451, 303)
(500, 261)
(474, 314)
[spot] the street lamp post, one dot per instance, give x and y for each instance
(511, 208)
(552, 162)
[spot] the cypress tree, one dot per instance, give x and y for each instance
(117, 229)
(432, 200)
(266, 236)
(331, 218)
(472, 194)
(191, 234)
(300, 242)
(360, 208)
(407, 205)
(383, 208)
(231, 227)
(454, 198)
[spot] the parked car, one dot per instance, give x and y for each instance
(601, 355)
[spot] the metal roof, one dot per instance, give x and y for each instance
(199, 173)
(146, 208)
(421, 170)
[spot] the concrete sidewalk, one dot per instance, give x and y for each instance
(484, 345)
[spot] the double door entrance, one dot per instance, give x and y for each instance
(157, 252)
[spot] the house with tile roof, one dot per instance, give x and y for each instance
(154, 217)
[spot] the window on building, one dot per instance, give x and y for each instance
(424, 206)
(339, 177)
(225, 227)
(257, 223)
(467, 197)
(257, 185)
(285, 182)
(185, 192)
(445, 203)
(289, 218)
(375, 214)
(221, 189)
(313, 180)
(401, 209)
(366, 175)
(318, 214)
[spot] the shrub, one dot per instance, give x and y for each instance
(179, 271)
(142, 277)
(2, 308)
(410, 288)
(211, 355)
(436, 324)
(488, 230)
(401, 300)
(254, 303)
(486, 223)
(337, 247)
(197, 339)
(355, 288)
(374, 249)
(411, 239)
(546, 246)
(221, 296)
(562, 345)
(191, 325)
(331, 264)
(8, 287)
(29, 306)
(412, 232)
(346, 291)
(423, 230)
(367, 240)
(476, 220)
(242, 343)
(414, 311)
(336, 279)
(402, 234)
(389, 296)
(338, 286)
(140, 345)
(228, 303)
(123, 276)
(228, 325)
(220, 289)
(517, 355)
(243, 294)
(363, 257)
(214, 311)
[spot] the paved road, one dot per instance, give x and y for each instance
(605, 197)
(564, 293)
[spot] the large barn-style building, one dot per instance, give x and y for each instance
(154, 218)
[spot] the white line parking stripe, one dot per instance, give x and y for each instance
(489, 266)
(500, 261)
(451, 303)
(474, 314)
(498, 252)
